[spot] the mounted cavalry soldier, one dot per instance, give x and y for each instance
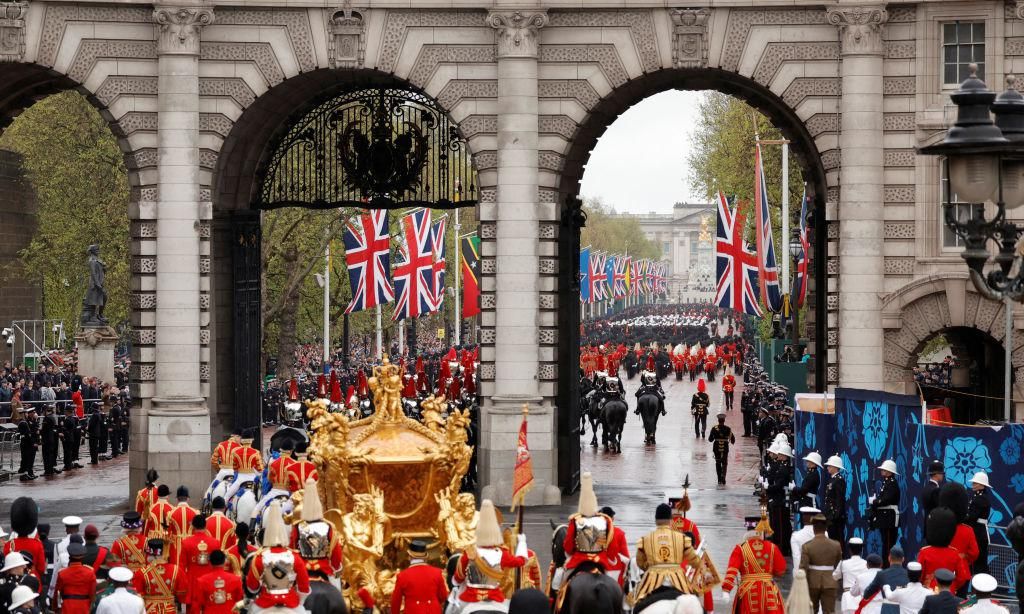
(221, 461)
(247, 463)
(588, 538)
(481, 570)
(649, 383)
(277, 576)
(315, 539)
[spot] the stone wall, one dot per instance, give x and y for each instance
(20, 299)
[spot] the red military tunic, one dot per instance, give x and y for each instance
(756, 562)
(158, 515)
(33, 546)
(966, 543)
(179, 526)
(236, 558)
(277, 471)
(145, 499)
(934, 558)
(298, 472)
(286, 599)
(728, 383)
(159, 585)
(329, 565)
(607, 558)
(493, 574)
(222, 529)
(217, 592)
(419, 589)
(76, 587)
(620, 546)
(129, 551)
(246, 459)
(194, 561)
(222, 453)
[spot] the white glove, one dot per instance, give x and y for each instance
(521, 546)
(791, 486)
(871, 499)
(726, 597)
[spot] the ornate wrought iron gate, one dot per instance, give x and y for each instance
(573, 219)
(247, 330)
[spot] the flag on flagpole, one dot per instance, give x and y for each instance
(367, 241)
(735, 265)
(627, 276)
(470, 276)
(609, 277)
(597, 277)
(437, 235)
(585, 274)
(522, 475)
(802, 261)
(414, 276)
(767, 263)
(619, 277)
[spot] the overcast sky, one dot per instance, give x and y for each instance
(639, 164)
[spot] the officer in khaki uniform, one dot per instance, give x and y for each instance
(819, 558)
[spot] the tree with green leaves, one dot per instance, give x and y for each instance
(615, 234)
(77, 171)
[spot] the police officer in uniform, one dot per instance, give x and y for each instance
(930, 492)
(28, 431)
(834, 506)
(721, 437)
(884, 512)
(50, 438)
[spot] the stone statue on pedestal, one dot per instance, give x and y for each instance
(95, 295)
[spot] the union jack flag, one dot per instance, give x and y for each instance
(437, 238)
(800, 283)
(736, 266)
(598, 277)
(619, 277)
(767, 263)
(636, 277)
(368, 258)
(414, 277)
(660, 271)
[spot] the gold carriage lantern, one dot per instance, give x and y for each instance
(388, 479)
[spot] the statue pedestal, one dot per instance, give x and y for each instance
(500, 419)
(96, 353)
(173, 437)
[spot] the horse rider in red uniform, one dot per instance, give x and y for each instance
(753, 565)
(315, 539)
(302, 469)
(589, 535)
(419, 588)
(480, 571)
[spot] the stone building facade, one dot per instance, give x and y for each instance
(686, 238)
(196, 91)
(21, 298)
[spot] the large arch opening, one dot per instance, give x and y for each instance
(804, 154)
(253, 151)
(962, 368)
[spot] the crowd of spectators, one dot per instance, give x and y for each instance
(936, 374)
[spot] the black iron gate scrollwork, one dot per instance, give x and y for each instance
(380, 148)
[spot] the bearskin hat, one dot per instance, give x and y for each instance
(24, 516)
(940, 527)
(953, 496)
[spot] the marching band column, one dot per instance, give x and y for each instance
(178, 425)
(517, 274)
(861, 262)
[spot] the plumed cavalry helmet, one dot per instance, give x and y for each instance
(312, 509)
(588, 500)
(488, 532)
(940, 527)
(274, 531)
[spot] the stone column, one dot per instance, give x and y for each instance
(517, 269)
(861, 262)
(178, 424)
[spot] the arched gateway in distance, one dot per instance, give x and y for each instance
(196, 92)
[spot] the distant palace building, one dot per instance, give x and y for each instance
(687, 241)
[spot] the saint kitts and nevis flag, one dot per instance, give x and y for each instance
(470, 245)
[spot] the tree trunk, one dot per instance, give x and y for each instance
(287, 317)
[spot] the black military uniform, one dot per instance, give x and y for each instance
(930, 491)
(884, 511)
(97, 430)
(721, 437)
(72, 437)
(835, 507)
(699, 405)
(780, 475)
(50, 440)
(806, 494)
(116, 427)
(978, 510)
(28, 431)
(765, 429)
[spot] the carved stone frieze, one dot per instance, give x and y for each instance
(397, 24)
(346, 39)
(899, 266)
(803, 87)
(517, 31)
(776, 54)
(605, 56)
(260, 54)
(742, 20)
(580, 89)
(639, 22)
(860, 28)
(690, 37)
(179, 28)
(12, 31)
(457, 89)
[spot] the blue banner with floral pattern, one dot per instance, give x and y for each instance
(869, 427)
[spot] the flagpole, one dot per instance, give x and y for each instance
(458, 278)
(785, 217)
(519, 516)
(380, 335)
(327, 305)
(401, 337)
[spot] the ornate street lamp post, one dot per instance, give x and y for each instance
(984, 162)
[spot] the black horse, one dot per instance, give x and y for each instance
(586, 385)
(613, 420)
(595, 413)
(592, 592)
(647, 405)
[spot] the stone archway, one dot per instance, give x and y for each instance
(932, 305)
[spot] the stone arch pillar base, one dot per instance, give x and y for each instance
(500, 420)
(173, 437)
